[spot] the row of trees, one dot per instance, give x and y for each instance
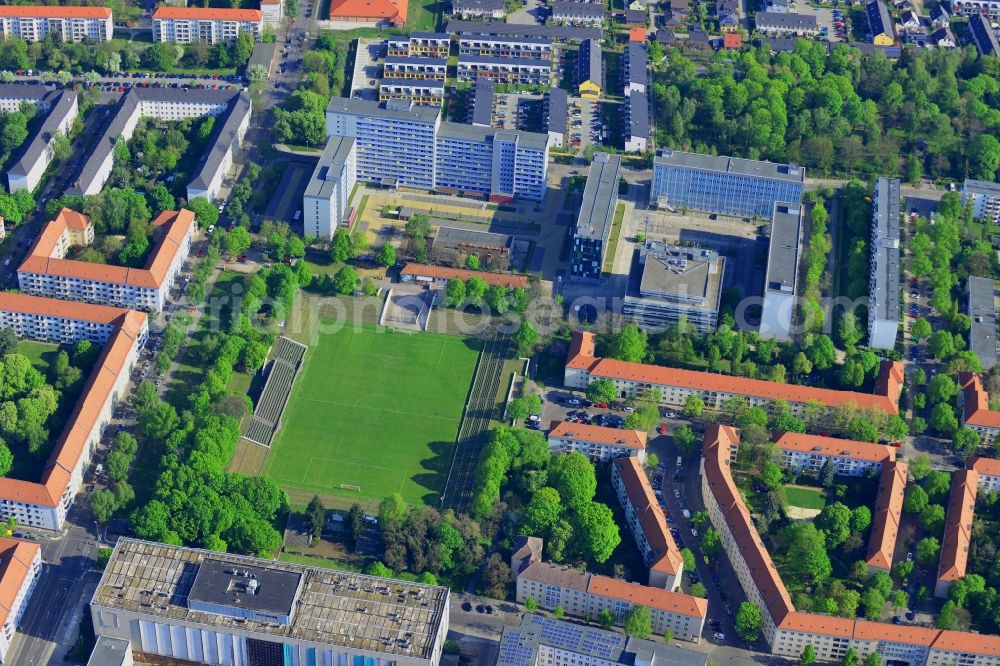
(107, 501)
(476, 292)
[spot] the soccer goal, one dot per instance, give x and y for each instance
(348, 486)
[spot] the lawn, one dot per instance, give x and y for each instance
(41, 354)
(423, 15)
(373, 412)
(805, 498)
(616, 230)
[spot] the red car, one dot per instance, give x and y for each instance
(601, 405)
(662, 429)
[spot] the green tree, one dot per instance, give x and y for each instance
(749, 621)
(237, 241)
(387, 254)
(770, 475)
(685, 440)
(711, 542)
(525, 337)
(629, 344)
(391, 509)
(835, 521)
(346, 281)
(688, 557)
(205, 213)
(530, 604)
(606, 618)
(927, 551)
(850, 658)
(693, 406)
(861, 519)
(316, 516)
(916, 500)
(103, 505)
(941, 388)
(808, 656)
(638, 622)
(602, 390)
(454, 292)
(341, 247)
(920, 466)
(920, 329)
(902, 570)
(542, 511)
(943, 418)
(595, 531)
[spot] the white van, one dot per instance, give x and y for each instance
(680, 461)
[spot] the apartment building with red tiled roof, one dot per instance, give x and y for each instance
(375, 12)
(676, 384)
(47, 272)
(885, 518)
(20, 564)
(44, 503)
(788, 631)
(598, 443)
(209, 25)
(647, 523)
(583, 594)
(33, 23)
(988, 470)
(974, 404)
(809, 453)
(957, 530)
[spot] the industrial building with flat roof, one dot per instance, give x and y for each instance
(325, 200)
(983, 320)
(218, 608)
(593, 224)
(781, 277)
(672, 282)
(883, 300)
(544, 640)
(723, 185)
(452, 244)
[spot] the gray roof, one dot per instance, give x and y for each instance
(885, 273)
(566, 33)
(61, 103)
(983, 318)
(986, 187)
(30, 91)
(589, 65)
(364, 107)
(735, 165)
(691, 275)
(779, 44)
(558, 106)
(413, 83)
(416, 60)
(336, 608)
(453, 237)
(577, 10)
(983, 35)
(405, 39)
(879, 21)
(263, 55)
(109, 652)
(638, 115)
(127, 106)
(519, 645)
(783, 21)
(482, 103)
(783, 251)
(599, 197)
(255, 588)
(636, 16)
(223, 141)
(939, 13)
(504, 62)
(635, 56)
(462, 132)
(478, 5)
(942, 34)
(503, 39)
(331, 164)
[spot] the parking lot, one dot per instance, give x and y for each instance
(831, 21)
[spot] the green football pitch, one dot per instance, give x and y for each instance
(373, 412)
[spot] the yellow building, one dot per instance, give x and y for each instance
(880, 24)
(589, 69)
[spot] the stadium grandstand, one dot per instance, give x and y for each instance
(266, 418)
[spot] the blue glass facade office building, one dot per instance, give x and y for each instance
(723, 185)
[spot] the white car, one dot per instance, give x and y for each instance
(671, 415)
(719, 636)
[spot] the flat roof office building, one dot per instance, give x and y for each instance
(883, 301)
(324, 204)
(781, 279)
(723, 185)
(676, 282)
(217, 608)
(593, 224)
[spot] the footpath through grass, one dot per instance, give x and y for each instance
(373, 412)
